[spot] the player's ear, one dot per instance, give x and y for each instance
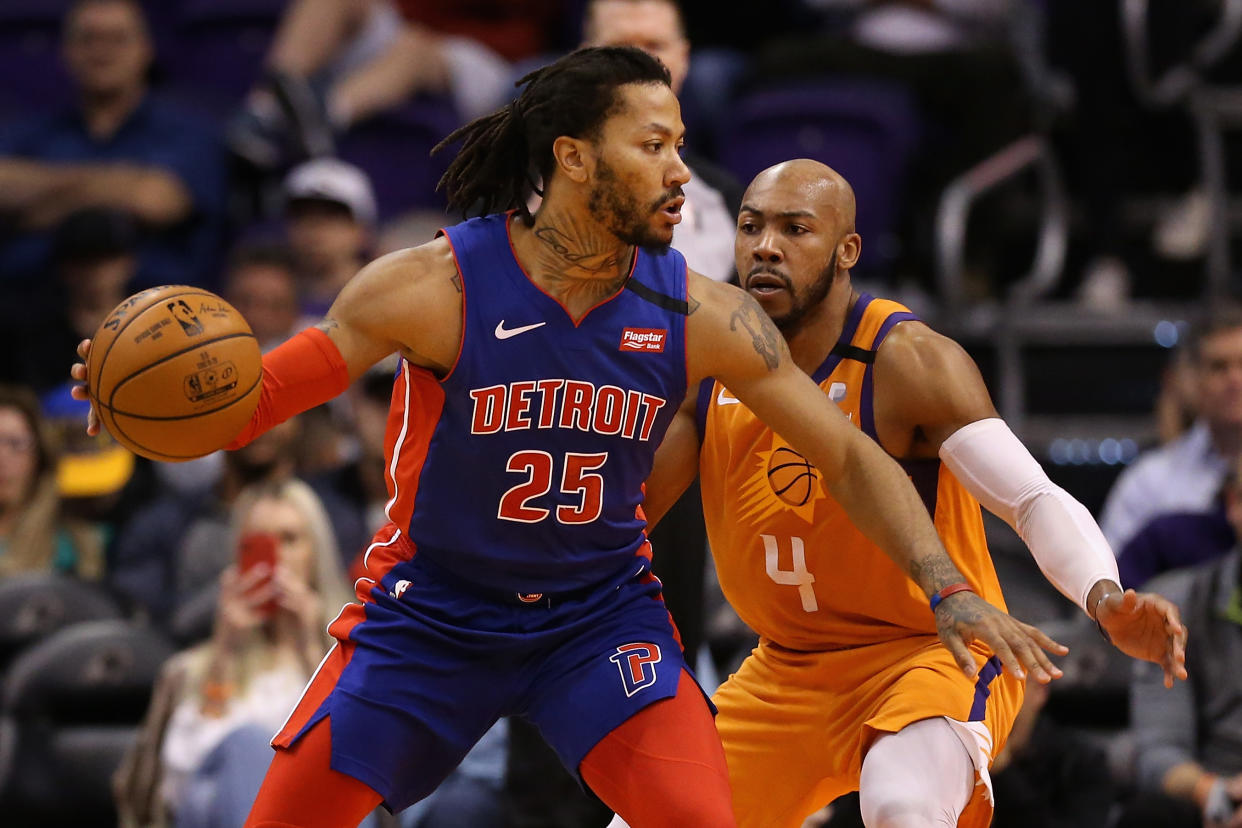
(849, 250)
(571, 158)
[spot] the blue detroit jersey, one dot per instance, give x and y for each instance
(522, 469)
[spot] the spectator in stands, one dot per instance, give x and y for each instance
(358, 489)
(331, 215)
(1047, 776)
(335, 63)
(261, 282)
(94, 262)
(120, 147)
(35, 536)
(1180, 539)
(168, 557)
(1186, 474)
(1189, 739)
(203, 749)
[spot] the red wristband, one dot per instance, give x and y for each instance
(303, 372)
(951, 589)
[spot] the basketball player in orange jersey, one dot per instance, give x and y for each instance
(849, 687)
(543, 357)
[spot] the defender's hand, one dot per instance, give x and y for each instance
(79, 392)
(964, 617)
(1147, 626)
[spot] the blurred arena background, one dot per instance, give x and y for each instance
(1051, 182)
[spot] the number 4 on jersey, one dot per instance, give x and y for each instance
(798, 576)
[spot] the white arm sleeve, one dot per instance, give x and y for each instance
(996, 468)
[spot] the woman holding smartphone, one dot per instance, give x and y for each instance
(204, 746)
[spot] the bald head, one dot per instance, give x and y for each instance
(795, 240)
(821, 189)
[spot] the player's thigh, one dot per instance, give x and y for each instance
(780, 744)
(664, 765)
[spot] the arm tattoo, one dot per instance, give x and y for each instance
(934, 572)
(327, 324)
(456, 279)
(692, 304)
(763, 333)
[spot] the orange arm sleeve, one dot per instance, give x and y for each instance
(298, 375)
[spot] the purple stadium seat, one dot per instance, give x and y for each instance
(30, 63)
(394, 150)
(218, 46)
(865, 130)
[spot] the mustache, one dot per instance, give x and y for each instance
(756, 270)
(676, 192)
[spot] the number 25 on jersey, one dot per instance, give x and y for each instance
(578, 477)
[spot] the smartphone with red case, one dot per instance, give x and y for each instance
(259, 548)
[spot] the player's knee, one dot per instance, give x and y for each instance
(905, 811)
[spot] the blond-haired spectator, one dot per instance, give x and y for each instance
(203, 748)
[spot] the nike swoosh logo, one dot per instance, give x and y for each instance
(504, 333)
(724, 398)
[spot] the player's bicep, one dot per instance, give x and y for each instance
(731, 338)
(393, 304)
(676, 463)
(928, 382)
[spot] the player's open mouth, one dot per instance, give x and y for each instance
(765, 284)
(672, 210)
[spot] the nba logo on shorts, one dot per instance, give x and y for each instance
(636, 662)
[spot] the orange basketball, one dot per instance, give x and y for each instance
(174, 372)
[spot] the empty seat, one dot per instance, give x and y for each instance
(866, 130)
(71, 707)
(35, 605)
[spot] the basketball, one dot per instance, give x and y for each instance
(174, 372)
(791, 476)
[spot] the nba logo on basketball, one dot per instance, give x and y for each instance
(647, 340)
(636, 662)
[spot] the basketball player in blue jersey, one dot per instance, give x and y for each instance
(542, 359)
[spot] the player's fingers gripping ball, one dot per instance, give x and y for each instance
(174, 372)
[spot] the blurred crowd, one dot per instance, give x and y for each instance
(266, 149)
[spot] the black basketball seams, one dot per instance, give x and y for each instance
(189, 291)
(197, 346)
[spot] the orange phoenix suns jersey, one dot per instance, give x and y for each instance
(789, 559)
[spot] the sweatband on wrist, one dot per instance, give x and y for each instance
(1063, 538)
(951, 589)
(306, 371)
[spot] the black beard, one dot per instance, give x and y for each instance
(620, 213)
(789, 323)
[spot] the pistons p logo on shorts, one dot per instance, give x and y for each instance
(637, 665)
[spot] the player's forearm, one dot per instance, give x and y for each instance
(298, 375)
(1064, 539)
(880, 500)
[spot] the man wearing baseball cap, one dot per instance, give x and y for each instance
(331, 215)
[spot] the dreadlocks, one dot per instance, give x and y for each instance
(502, 153)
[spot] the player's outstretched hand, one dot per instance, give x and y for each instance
(78, 372)
(1147, 626)
(965, 617)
